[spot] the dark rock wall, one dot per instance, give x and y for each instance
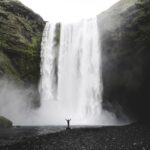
(20, 38)
(125, 35)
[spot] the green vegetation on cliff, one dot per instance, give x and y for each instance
(20, 38)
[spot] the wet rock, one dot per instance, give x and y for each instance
(5, 123)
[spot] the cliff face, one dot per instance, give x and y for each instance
(20, 38)
(125, 35)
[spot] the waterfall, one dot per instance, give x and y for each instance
(71, 85)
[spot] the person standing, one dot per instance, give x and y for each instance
(68, 124)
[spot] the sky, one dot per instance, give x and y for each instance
(68, 10)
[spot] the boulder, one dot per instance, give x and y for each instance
(5, 123)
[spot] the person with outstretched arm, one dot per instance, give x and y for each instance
(68, 124)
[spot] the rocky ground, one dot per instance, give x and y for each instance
(132, 137)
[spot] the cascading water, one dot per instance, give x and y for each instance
(48, 64)
(71, 84)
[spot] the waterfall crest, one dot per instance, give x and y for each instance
(71, 84)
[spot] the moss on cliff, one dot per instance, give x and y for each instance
(6, 66)
(21, 32)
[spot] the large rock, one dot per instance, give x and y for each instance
(5, 123)
(125, 35)
(20, 37)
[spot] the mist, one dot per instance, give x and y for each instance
(16, 102)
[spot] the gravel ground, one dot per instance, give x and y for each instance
(131, 137)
